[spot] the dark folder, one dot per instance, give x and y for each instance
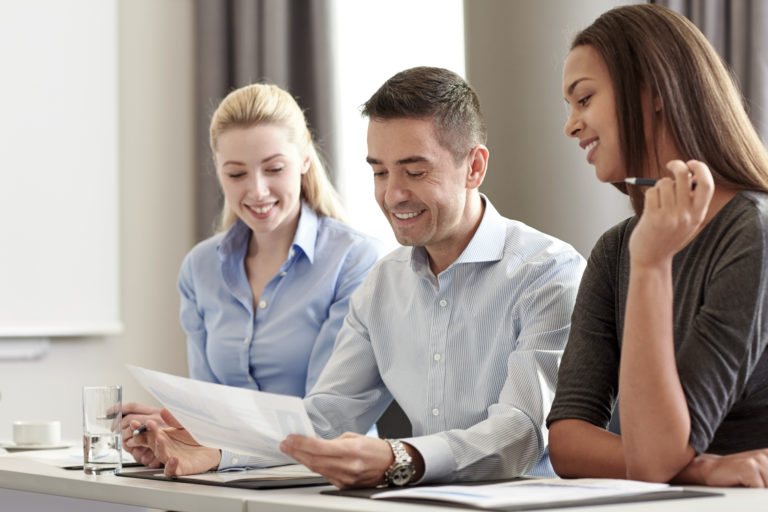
(243, 479)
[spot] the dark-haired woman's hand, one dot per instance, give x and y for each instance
(743, 469)
(674, 211)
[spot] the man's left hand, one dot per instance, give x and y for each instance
(351, 460)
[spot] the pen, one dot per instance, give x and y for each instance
(648, 182)
(140, 430)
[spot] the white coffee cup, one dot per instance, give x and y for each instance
(37, 433)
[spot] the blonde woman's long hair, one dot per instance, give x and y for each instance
(268, 104)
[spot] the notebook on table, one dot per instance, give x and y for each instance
(529, 493)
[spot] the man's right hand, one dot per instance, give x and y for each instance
(176, 448)
(140, 414)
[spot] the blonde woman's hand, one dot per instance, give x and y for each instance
(175, 447)
(139, 414)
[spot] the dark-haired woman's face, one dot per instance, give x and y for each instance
(592, 120)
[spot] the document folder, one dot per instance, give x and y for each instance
(269, 478)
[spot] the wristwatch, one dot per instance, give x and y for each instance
(401, 471)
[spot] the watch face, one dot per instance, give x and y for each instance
(401, 474)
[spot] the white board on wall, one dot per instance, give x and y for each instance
(59, 226)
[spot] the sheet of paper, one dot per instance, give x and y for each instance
(229, 418)
(529, 492)
(63, 458)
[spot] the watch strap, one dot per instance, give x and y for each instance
(401, 471)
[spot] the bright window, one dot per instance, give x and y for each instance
(375, 40)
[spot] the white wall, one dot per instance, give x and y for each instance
(515, 53)
(156, 83)
(58, 170)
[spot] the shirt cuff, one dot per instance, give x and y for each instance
(231, 460)
(437, 455)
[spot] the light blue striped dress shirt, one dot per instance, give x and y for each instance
(471, 355)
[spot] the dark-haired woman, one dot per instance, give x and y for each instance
(672, 313)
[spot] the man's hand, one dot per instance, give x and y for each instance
(176, 448)
(351, 460)
(133, 412)
(746, 469)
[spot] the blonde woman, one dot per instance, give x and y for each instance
(262, 301)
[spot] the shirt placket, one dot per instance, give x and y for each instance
(438, 336)
(264, 305)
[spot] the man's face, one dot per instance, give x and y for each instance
(419, 186)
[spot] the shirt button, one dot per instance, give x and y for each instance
(292, 253)
(437, 357)
(235, 460)
(435, 412)
(282, 274)
(250, 379)
(443, 303)
(246, 340)
(263, 304)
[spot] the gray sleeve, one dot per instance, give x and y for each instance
(587, 383)
(719, 349)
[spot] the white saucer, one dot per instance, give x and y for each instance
(13, 447)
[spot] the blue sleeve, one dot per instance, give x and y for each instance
(193, 325)
(358, 262)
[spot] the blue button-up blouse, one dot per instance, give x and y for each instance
(283, 346)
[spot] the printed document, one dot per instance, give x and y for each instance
(229, 418)
(550, 491)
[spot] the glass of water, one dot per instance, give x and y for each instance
(102, 443)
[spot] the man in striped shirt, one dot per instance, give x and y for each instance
(464, 326)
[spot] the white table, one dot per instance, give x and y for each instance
(35, 478)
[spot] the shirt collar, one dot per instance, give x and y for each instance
(306, 232)
(235, 240)
(487, 244)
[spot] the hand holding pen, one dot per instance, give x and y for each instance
(673, 213)
(138, 414)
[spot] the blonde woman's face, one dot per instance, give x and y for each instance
(260, 170)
